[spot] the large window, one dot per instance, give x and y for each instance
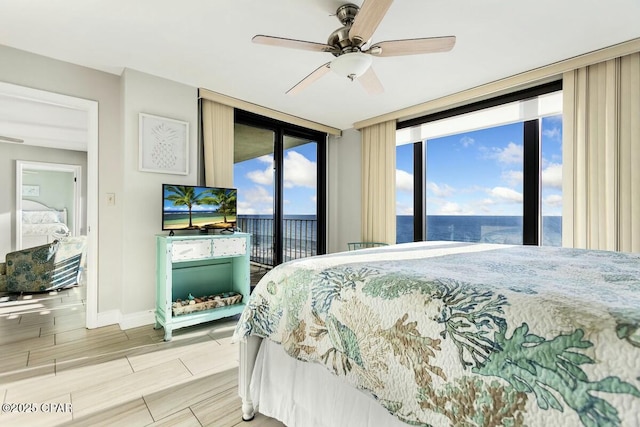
(551, 186)
(474, 186)
(490, 172)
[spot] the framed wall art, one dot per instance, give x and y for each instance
(30, 190)
(164, 145)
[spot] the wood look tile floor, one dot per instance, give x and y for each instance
(68, 375)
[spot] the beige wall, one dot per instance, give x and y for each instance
(343, 200)
(38, 72)
(141, 197)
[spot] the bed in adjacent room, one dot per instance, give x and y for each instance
(445, 334)
(42, 224)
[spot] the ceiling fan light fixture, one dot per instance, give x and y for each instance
(351, 65)
(350, 45)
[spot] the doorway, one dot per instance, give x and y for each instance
(50, 188)
(42, 100)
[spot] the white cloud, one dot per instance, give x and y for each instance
(451, 208)
(554, 134)
(553, 200)
(552, 175)
(404, 208)
(263, 177)
(260, 202)
(245, 208)
(467, 141)
(506, 194)
(512, 153)
(404, 181)
(513, 178)
(444, 190)
(195, 208)
(299, 171)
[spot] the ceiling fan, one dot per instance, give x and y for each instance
(351, 48)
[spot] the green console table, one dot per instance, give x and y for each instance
(199, 265)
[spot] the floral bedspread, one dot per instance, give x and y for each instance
(466, 334)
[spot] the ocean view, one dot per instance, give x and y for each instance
(300, 232)
(299, 236)
(478, 228)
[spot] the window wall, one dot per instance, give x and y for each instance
(490, 172)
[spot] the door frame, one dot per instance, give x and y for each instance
(91, 108)
(76, 170)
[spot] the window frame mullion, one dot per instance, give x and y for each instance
(419, 194)
(531, 183)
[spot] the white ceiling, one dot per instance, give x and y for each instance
(207, 43)
(42, 124)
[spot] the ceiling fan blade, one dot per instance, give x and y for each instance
(367, 20)
(293, 44)
(307, 81)
(412, 46)
(370, 82)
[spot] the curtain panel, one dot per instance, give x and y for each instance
(217, 138)
(601, 155)
(379, 183)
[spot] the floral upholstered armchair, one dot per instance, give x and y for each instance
(43, 268)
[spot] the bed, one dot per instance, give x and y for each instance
(42, 224)
(445, 334)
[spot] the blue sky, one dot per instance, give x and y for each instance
(480, 172)
(254, 180)
(475, 173)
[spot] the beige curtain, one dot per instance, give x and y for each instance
(379, 183)
(601, 155)
(217, 136)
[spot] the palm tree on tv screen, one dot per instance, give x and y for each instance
(226, 199)
(186, 196)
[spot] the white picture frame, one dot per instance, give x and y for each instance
(164, 145)
(30, 190)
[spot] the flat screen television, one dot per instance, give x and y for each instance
(187, 207)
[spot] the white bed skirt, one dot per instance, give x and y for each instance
(307, 395)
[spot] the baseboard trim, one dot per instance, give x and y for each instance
(126, 321)
(107, 318)
(135, 320)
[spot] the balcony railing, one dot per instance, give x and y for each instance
(299, 240)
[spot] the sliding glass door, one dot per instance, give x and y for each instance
(279, 174)
(254, 178)
(299, 197)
